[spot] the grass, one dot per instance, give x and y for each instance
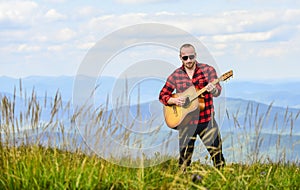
(36, 167)
(34, 163)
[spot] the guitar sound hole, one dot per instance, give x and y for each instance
(187, 102)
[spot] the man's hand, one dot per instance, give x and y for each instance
(179, 101)
(210, 87)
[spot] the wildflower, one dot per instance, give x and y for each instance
(196, 178)
(263, 173)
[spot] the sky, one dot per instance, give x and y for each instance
(257, 39)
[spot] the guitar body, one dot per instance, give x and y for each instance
(174, 115)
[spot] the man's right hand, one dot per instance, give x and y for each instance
(178, 101)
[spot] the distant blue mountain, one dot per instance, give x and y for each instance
(243, 99)
(41, 85)
(281, 93)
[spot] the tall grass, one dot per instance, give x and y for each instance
(55, 154)
(263, 133)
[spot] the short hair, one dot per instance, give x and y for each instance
(185, 46)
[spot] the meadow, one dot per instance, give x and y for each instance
(39, 154)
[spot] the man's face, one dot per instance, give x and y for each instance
(188, 57)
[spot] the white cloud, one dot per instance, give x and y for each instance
(291, 15)
(87, 11)
(271, 52)
(65, 34)
(245, 33)
(20, 48)
(220, 46)
(108, 23)
(28, 48)
(18, 11)
(53, 15)
(85, 46)
(8, 35)
(165, 13)
(55, 48)
(243, 22)
(231, 22)
(235, 25)
(241, 37)
(281, 33)
(40, 38)
(252, 33)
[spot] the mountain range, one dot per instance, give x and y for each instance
(280, 93)
(240, 103)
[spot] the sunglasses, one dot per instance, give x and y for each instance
(188, 56)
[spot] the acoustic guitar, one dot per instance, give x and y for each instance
(174, 115)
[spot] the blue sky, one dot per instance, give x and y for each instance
(258, 39)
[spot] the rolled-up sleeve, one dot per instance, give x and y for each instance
(167, 90)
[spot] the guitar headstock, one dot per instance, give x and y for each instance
(226, 75)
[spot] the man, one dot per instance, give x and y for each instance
(201, 122)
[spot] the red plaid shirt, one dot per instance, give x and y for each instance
(180, 81)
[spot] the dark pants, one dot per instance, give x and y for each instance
(209, 134)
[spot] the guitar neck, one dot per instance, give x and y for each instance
(202, 90)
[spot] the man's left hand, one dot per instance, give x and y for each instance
(211, 87)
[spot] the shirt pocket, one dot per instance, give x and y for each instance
(200, 82)
(182, 85)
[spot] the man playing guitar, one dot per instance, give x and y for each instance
(200, 122)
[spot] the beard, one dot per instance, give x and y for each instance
(189, 65)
